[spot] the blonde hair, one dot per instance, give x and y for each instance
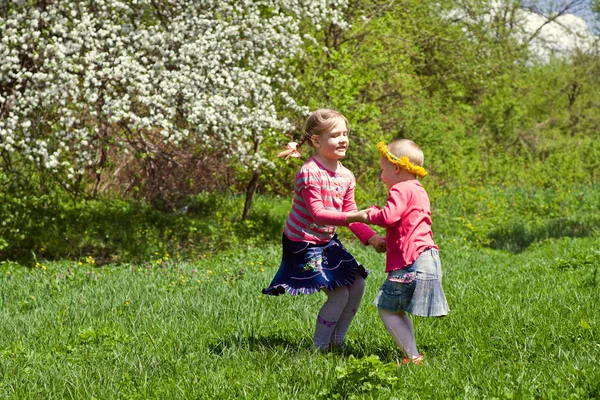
(319, 122)
(407, 148)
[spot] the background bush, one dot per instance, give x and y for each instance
(50, 227)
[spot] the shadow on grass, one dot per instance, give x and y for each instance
(281, 344)
(518, 236)
(386, 355)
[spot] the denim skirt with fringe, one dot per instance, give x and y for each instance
(307, 268)
(416, 289)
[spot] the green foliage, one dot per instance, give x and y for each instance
(514, 162)
(514, 218)
(481, 109)
(521, 325)
(588, 264)
(50, 227)
(360, 377)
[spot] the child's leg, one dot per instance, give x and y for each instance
(401, 329)
(409, 323)
(355, 294)
(329, 315)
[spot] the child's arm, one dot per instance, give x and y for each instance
(358, 219)
(314, 204)
(361, 216)
(363, 232)
(391, 212)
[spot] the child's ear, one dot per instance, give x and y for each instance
(315, 141)
(397, 169)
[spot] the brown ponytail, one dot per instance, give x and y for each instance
(319, 121)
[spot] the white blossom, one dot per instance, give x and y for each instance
(213, 72)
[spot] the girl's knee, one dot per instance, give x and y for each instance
(359, 282)
(358, 287)
(341, 293)
(385, 313)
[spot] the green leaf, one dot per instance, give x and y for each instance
(584, 324)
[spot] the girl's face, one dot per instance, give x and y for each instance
(389, 173)
(333, 144)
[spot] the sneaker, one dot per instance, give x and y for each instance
(415, 360)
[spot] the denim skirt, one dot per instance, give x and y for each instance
(416, 289)
(307, 268)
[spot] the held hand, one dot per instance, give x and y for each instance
(357, 216)
(378, 243)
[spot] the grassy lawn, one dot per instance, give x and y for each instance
(522, 325)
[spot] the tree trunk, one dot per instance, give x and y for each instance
(573, 95)
(250, 189)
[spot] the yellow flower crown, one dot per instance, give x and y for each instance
(403, 162)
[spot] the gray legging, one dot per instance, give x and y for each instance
(337, 313)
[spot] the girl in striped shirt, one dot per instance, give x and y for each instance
(313, 258)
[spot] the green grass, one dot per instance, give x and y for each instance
(522, 325)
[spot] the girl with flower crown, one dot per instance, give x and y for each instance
(313, 258)
(414, 281)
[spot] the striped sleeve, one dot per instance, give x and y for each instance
(362, 231)
(307, 177)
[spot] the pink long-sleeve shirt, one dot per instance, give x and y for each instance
(321, 200)
(406, 217)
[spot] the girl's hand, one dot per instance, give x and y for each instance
(357, 216)
(378, 243)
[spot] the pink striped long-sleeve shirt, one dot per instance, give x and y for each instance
(321, 200)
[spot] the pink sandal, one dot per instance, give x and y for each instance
(415, 360)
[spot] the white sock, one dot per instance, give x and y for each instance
(329, 315)
(355, 294)
(401, 329)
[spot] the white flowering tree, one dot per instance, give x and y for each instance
(79, 79)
